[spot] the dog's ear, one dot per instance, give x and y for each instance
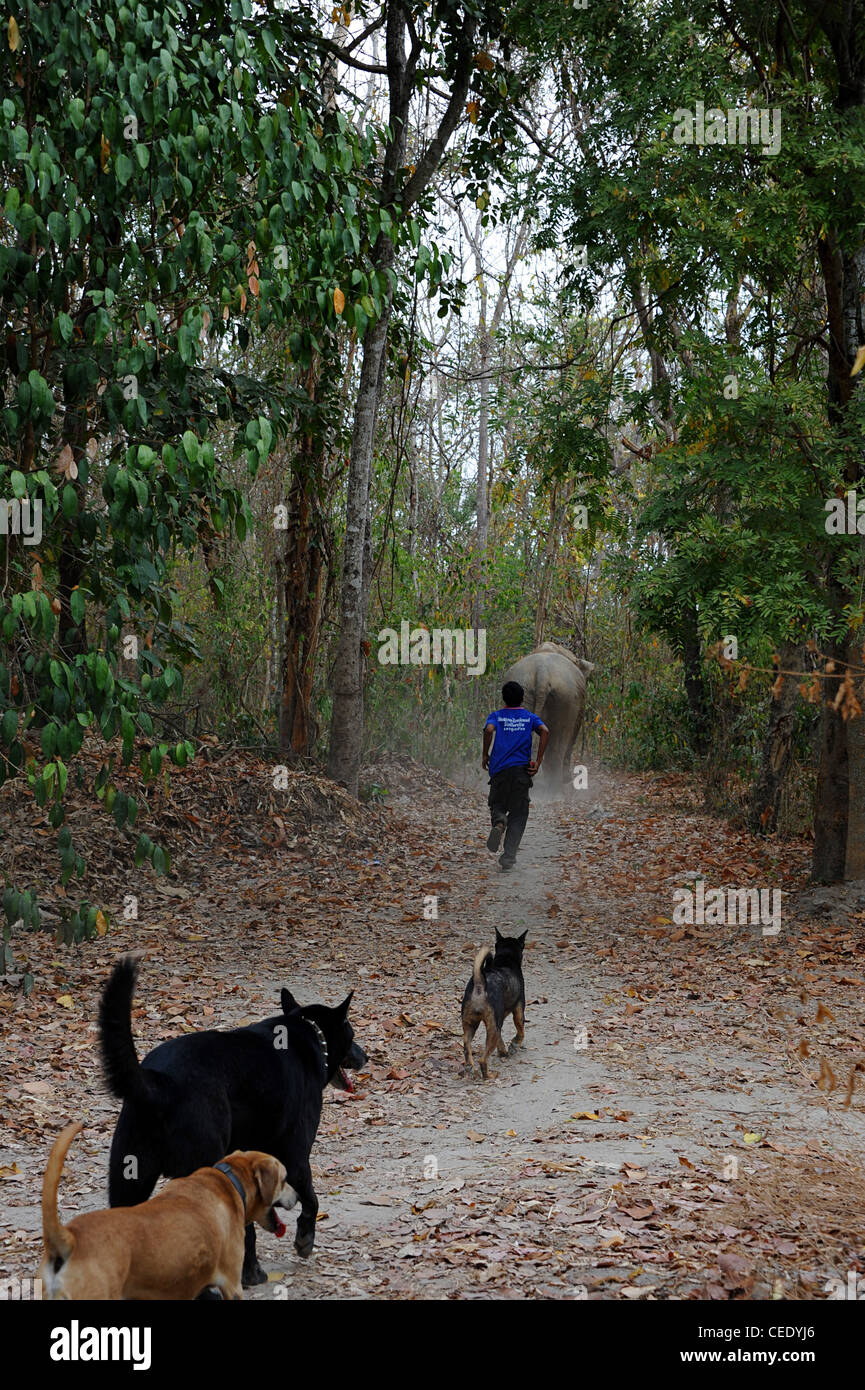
(499, 936)
(342, 1009)
(288, 1001)
(521, 939)
(269, 1177)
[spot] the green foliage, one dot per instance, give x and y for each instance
(173, 191)
(710, 253)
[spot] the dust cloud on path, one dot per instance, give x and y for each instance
(669, 1131)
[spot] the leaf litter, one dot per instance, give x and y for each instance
(684, 1122)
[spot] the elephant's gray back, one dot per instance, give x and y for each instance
(547, 677)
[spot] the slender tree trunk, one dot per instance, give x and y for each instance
(346, 728)
(276, 632)
(483, 505)
(558, 510)
(829, 856)
(413, 512)
(303, 568)
(72, 638)
(303, 572)
(777, 745)
(854, 858)
(487, 328)
(303, 584)
(695, 689)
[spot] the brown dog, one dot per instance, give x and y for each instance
(186, 1238)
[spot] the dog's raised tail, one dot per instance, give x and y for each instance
(59, 1240)
(123, 1074)
(483, 955)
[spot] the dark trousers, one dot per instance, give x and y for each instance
(509, 802)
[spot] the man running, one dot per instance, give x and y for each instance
(511, 769)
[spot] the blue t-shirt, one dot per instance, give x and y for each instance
(513, 741)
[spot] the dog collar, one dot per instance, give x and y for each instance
(234, 1179)
(322, 1039)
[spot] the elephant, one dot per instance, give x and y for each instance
(554, 681)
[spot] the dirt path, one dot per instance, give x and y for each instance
(662, 1135)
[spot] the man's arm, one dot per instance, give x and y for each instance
(543, 735)
(489, 730)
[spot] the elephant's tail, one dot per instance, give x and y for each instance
(544, 693)
(483, 955)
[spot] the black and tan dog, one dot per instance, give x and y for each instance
(495, 990)
(187, 1238)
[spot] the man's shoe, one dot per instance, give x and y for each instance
(495, 836)
(507, 861)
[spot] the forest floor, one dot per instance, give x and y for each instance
(679, 1125)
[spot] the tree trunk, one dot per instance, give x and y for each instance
(695, 689)
(833, 785)
(413, 512)
(854, 854)
(840, 810)
(346, 728)
(777, 745)
(302, 574)
(482, 508)
(276, 639)
(72, 638)
(303, 571)
(486, 330)
(854, 859)
(844, 280)
(558, 511)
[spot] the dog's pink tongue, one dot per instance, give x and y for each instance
(349, 1085)
(279, 1228)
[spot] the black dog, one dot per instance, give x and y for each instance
(495, 990)
(196, 1098)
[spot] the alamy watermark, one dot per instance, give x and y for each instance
(698, 906)
(20, 1290)
(419, 646)
(845, 516)
(77, 1343)
(16, 519)
(853, 1288)
(739, 126)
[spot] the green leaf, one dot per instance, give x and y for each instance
(123, 169)
(58, 228)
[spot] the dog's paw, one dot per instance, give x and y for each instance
(252, 1275)
(303, 1244)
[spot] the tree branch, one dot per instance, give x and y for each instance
(431, 159)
